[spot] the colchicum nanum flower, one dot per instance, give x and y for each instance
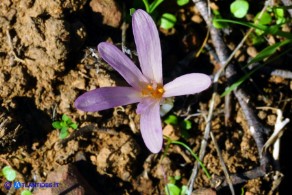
(146, 86)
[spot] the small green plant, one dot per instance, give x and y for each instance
(280, 15)
(172, 188)
(64, 125)
(9, 173)
(239, 8)
(265, 19)
(171, 120)
(166, 20)
(185, 125)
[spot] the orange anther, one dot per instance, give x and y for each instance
(155, 92)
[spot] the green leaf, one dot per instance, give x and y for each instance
(63, 124)
(26, 192)
(236, 84)
(279, 12)
(265, 18)
(184, 190)
(9, 173)
(187, 124)
(146, 3)
(132, 10)
(73, 125)
(182, 2)
(177, 177)
(280, 15)
(172, 189)
(154, 5)
(239, 8)
(268, 51)
(281, 21)
(57, 125)
(171, 120)
(65, 118)
(63, 133)
(171, 180)
(256, 40)
(217, 24)
(260, 27)
(64, 129)
(167, 21)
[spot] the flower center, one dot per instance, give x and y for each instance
(156, 91)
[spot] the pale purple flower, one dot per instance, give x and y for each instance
(146, 87)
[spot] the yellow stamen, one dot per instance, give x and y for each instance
(155, 92)
(149, 87)
(160, 90)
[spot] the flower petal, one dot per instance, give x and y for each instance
(148, 45)
(151, 129)
(187, 84)
(106, 97)
(144, 105)
(121, 63)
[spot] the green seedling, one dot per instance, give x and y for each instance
(64, 125)
(274, 16)
(171, 120)
(239, 8)
(172, 188)
(184, 125)
(167, 21)
(280, 15)
(265, 19)
(150, 7)
(9, 173)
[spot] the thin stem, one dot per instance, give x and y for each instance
(154, 5)
(146, 6)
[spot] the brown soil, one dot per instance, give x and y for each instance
(45, 64)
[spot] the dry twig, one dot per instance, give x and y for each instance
(16, 58)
